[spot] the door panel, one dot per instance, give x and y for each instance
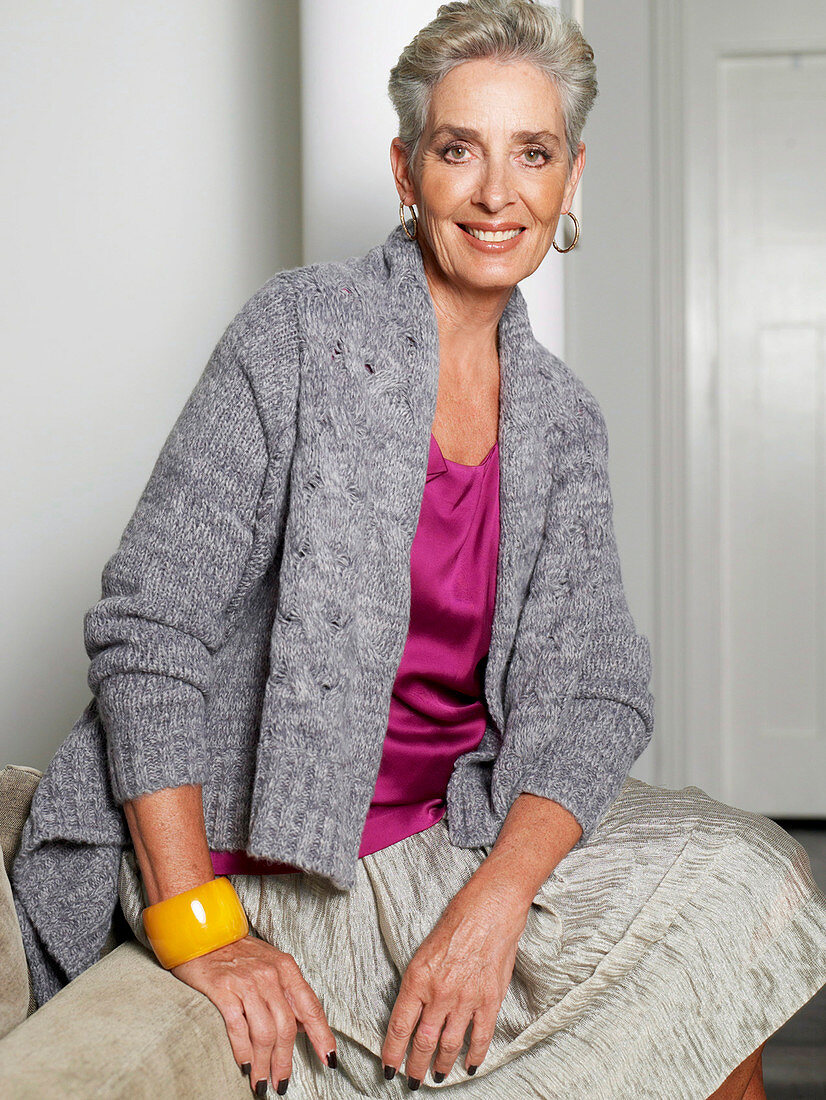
(755, 241)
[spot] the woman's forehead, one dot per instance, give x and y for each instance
(478, 90)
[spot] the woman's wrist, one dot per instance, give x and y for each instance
(174, 883)
(169, 836)
(499, 882)
(535, 836)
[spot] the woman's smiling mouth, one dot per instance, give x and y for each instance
(488, 240)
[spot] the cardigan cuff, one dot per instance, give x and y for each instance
(155, 733)
(584, 773)
(309, 810)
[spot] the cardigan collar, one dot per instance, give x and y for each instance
(524, 452)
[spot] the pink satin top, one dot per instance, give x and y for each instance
(437, 709)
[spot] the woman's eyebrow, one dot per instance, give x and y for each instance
(465, 133)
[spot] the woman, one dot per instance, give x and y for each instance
(399, 723)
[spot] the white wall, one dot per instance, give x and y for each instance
(150, 183)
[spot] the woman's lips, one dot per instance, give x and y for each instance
(492, 246)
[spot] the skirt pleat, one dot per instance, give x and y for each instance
(655, 958)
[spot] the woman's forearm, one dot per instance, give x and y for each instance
(536, 834)
(169, 835)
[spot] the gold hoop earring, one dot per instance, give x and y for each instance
(404, 223)
(576, 235)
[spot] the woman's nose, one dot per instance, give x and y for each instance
(495, 187)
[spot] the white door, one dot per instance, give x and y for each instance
(754, 109)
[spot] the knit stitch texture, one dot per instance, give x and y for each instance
(253, 617)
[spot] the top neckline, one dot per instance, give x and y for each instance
(464, 465)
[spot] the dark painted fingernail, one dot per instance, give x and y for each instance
(282, 1086)
(472, 1069)
(261, 1088)
(389, 1072)
(413, 1082)
(438, 1075)
(246, 1069)
(332, 1060)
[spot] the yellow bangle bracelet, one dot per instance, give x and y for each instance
(195, 922)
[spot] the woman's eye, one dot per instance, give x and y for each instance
(536, 157)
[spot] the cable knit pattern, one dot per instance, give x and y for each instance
(254, 615)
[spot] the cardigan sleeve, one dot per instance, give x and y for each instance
(169, 589)
(583, 712)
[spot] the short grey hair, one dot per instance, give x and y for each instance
(507, 30)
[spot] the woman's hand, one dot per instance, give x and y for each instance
(460, 973)
(264, 999)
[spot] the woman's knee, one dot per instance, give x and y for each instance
(768, 850)
(770, 872)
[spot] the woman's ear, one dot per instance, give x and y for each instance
(401, 172)
(576, 174)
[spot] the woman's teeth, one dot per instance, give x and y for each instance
(500, 235)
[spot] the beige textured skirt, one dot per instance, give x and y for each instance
(655, 958)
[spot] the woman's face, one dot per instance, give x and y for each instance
(493, 156)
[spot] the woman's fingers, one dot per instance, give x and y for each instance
(400, 1026)
(451, 1043)
(270, 1032)
(425, 1041)
(232, 1009)
(265, 1000)
(484, 1023)
(281, 1050)
(309, 1014)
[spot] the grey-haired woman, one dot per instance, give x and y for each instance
(400, 723)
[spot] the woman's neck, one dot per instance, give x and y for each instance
(468, 322)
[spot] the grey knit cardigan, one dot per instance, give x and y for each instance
(253, 617)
